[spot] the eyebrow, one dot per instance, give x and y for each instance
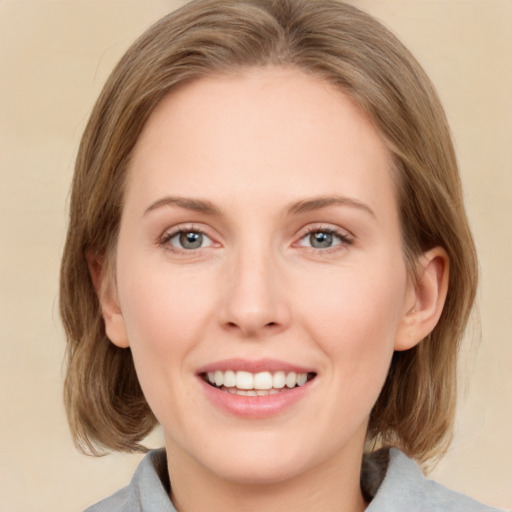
(303, 206)
(317, 203)
(195, 205)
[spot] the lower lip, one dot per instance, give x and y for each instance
(254, 407)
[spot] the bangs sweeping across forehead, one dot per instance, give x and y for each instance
(337, 43)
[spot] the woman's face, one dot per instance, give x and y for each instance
(260, 247)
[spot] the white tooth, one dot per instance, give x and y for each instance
(229, 379)
(231, 390)
(219, 378)
(263, 380)
(273, 391)
(278, 380)
(252, 392)
(244, 380)
(241, 392)
(263, 392)
(211, 377)
(302, 378)
(291, 379)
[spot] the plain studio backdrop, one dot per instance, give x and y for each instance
(54, 59)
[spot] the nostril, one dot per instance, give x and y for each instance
(234, 324)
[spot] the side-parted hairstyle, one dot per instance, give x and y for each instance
(334, 42)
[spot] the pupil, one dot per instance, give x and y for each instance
(321, 240)
(191, 240)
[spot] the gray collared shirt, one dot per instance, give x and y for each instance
(404, 488)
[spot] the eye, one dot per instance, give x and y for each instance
(188, 240)
(324, 238)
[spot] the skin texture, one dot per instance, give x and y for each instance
(255, 149)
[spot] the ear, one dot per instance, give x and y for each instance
(103, 280)
(425, 300)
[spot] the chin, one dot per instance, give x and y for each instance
(252, 471)
(265, 459)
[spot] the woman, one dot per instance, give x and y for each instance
(268, 255)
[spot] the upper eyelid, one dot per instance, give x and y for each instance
(170, 232)
(164, 241)
(331, 228)
(184, 228)
(345, 238)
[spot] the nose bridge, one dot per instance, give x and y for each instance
(254, 300)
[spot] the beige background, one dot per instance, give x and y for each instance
(54, 57)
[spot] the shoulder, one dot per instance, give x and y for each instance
(118, 502)
(147, 491)
(405, 488)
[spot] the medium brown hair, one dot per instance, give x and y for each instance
(335, 42)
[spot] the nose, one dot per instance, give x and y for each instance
(254, 300)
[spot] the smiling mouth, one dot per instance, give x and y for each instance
(256, 384)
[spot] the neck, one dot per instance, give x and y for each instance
(332, 487)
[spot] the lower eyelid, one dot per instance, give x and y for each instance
(343, 238)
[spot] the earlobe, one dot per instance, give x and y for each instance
(104, 283)
(427, 298)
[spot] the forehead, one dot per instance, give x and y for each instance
(278, 129)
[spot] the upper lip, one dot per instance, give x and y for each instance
(253, 366)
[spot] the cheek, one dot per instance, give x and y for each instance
(163, 310)
(355, 321)
(164, 317)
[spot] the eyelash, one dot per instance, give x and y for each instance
(344, 240)
(168, 236)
